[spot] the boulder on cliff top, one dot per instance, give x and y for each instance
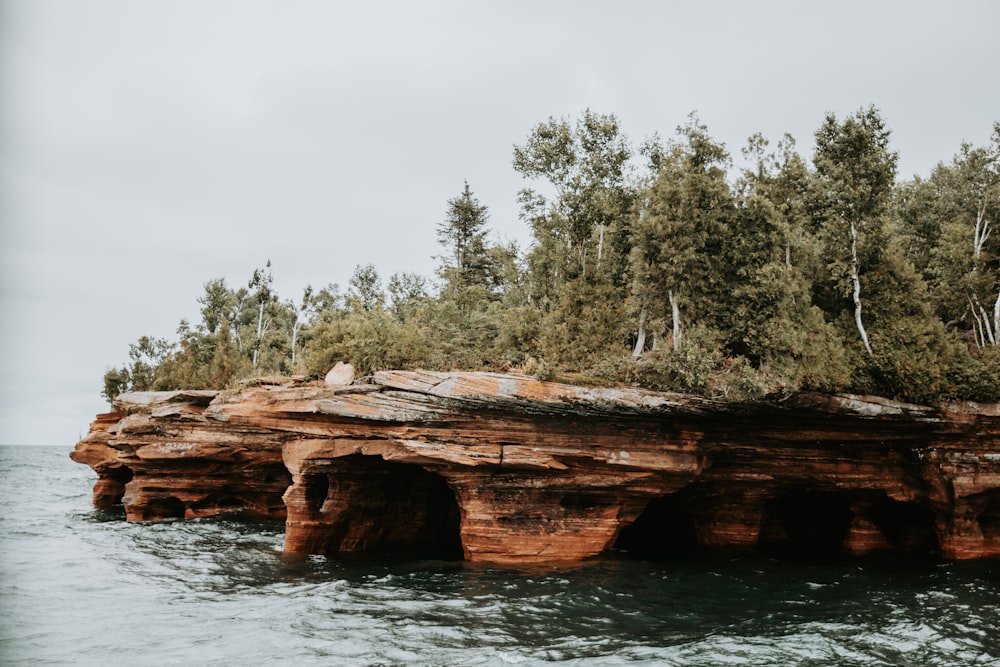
(340, 375)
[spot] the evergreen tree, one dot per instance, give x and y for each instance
(683, 225)
(466, 269)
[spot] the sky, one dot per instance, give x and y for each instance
(149, 147)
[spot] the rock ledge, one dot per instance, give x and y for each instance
(506, 468)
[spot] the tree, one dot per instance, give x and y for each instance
(949, 219)
(301, 315)
(856, 172)
(146, 358)
(407, 291)
(365, 292)
(262, 295)
(466, 269)
(782, 179)
(115, 383)
(976, 178)
(147, 354)
(586, 224)
(217, 304)
(684, 216)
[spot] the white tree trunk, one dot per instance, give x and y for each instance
(640, 337)
(675, 314)
(977, 330)
(996, 319)
(856, 280)
(982, 231)
(987, 332)
(260, 334)
(987, 329)
(600, 246)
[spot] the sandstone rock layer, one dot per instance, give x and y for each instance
(504, 468)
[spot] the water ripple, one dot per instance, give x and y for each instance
(84, 587)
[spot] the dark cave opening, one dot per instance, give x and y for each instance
(376, 507)
(989, 517)
(909, 527)
(118, 477)
(164, 507)
(805, 523)
(317, 490)
(665, 529)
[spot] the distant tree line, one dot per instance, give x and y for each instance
(661, 266)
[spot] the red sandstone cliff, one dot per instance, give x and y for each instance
(510, 469)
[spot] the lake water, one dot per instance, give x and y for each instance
(82, 587)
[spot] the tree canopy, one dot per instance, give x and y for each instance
(662, 266)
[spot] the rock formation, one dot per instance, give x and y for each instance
(505, 468)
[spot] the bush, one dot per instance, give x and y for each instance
(914, 360)
(687, 370)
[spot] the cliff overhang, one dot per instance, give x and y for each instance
(506, 468)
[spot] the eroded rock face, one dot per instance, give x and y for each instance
(506, 468)
(163, 457)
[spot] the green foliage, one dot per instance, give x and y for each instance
(690, 369)
(467, 267)
(977, 378)
(584, 228)
(115, 383)
(584, 326)
(914, 360)
(142, 373)
(788, 276)
(855, 166)
(682, 227)
(365, 293)
(949, 221)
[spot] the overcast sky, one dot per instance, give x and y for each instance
(148, 147)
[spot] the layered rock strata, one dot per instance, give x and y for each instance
(504, 468)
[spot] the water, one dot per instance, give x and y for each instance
(82, 587)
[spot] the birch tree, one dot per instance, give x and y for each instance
(951, 218)
(856, 173)
(978, 173)
(261, 286)
(301, 315)
(587, 166)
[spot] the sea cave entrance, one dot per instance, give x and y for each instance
(110, 488)
(989, 515)
(366, 505)
(159, 507)
(806, 523)
(664, 530)
(910, 528)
